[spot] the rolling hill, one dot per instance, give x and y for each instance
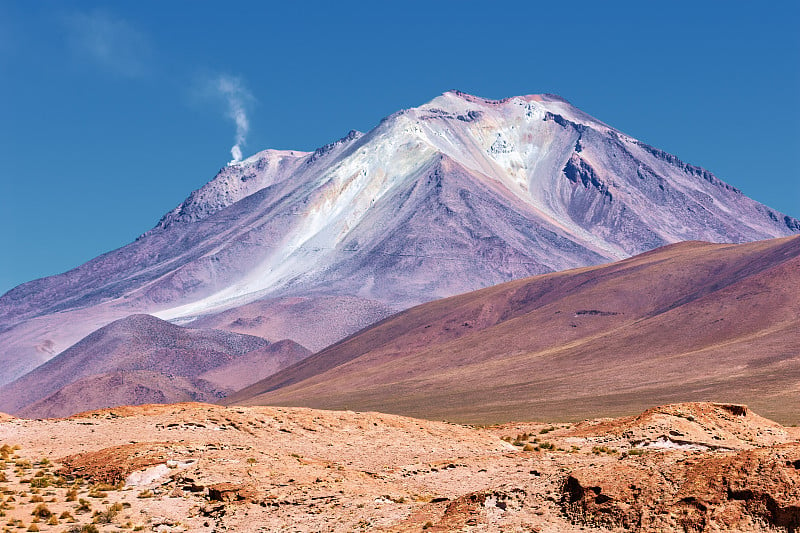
(143, 359)
(689, 321)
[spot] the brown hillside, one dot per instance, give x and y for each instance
(688, 322)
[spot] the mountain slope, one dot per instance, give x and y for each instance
(333, 317)
(135, 343)
(254, 366)
(685, 322)
(454, 195)
(112, 389)
(136, 387)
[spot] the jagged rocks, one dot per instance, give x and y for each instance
(740, 491)
(226, 492)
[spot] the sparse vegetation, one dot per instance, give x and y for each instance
(88, 528)
(41, 481)
(41, 511)
(107, 516)
(94, 493)
(439, 456)
(598, 450)
(5, 452)
(83, 507)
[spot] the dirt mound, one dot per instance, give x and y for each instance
(697, 425)
(113, 465)
(153, 409)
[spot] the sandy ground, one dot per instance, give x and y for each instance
(198, 467)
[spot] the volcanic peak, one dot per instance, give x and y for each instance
(535, 186)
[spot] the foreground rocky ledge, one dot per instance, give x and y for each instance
(198, 467)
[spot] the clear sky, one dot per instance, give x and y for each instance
(111, 113)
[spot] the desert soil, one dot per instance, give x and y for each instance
(198, 467)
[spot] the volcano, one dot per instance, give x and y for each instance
(458, 194)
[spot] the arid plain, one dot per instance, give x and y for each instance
(201, 467)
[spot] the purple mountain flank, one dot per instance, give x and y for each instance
(111, 367)
(247, 368)
(457, 194)
(112, 389)
(136, 387)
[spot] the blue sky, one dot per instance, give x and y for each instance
(111, 113)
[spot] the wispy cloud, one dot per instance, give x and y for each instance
(237, 99)
(110, 42)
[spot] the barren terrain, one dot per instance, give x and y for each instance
(687, 322)
(199, 467)
(457, 194)
(142, 359)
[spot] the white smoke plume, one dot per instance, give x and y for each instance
(237, 97)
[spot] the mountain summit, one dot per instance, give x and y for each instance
(457, 194)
